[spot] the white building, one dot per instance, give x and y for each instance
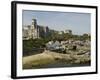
(31, 31)
(68, 31)
(34, 31)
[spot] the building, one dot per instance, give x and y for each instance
(60, 32)
(68, 31)
(26, 32)
(34, 31)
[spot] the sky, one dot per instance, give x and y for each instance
(79, 23)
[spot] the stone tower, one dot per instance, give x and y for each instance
(34, 29)
(34, 24)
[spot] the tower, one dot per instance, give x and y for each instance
(34, 24)
(34, 29)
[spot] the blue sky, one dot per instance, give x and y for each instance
(79, 23)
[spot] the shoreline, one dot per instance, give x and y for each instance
(48, 57)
